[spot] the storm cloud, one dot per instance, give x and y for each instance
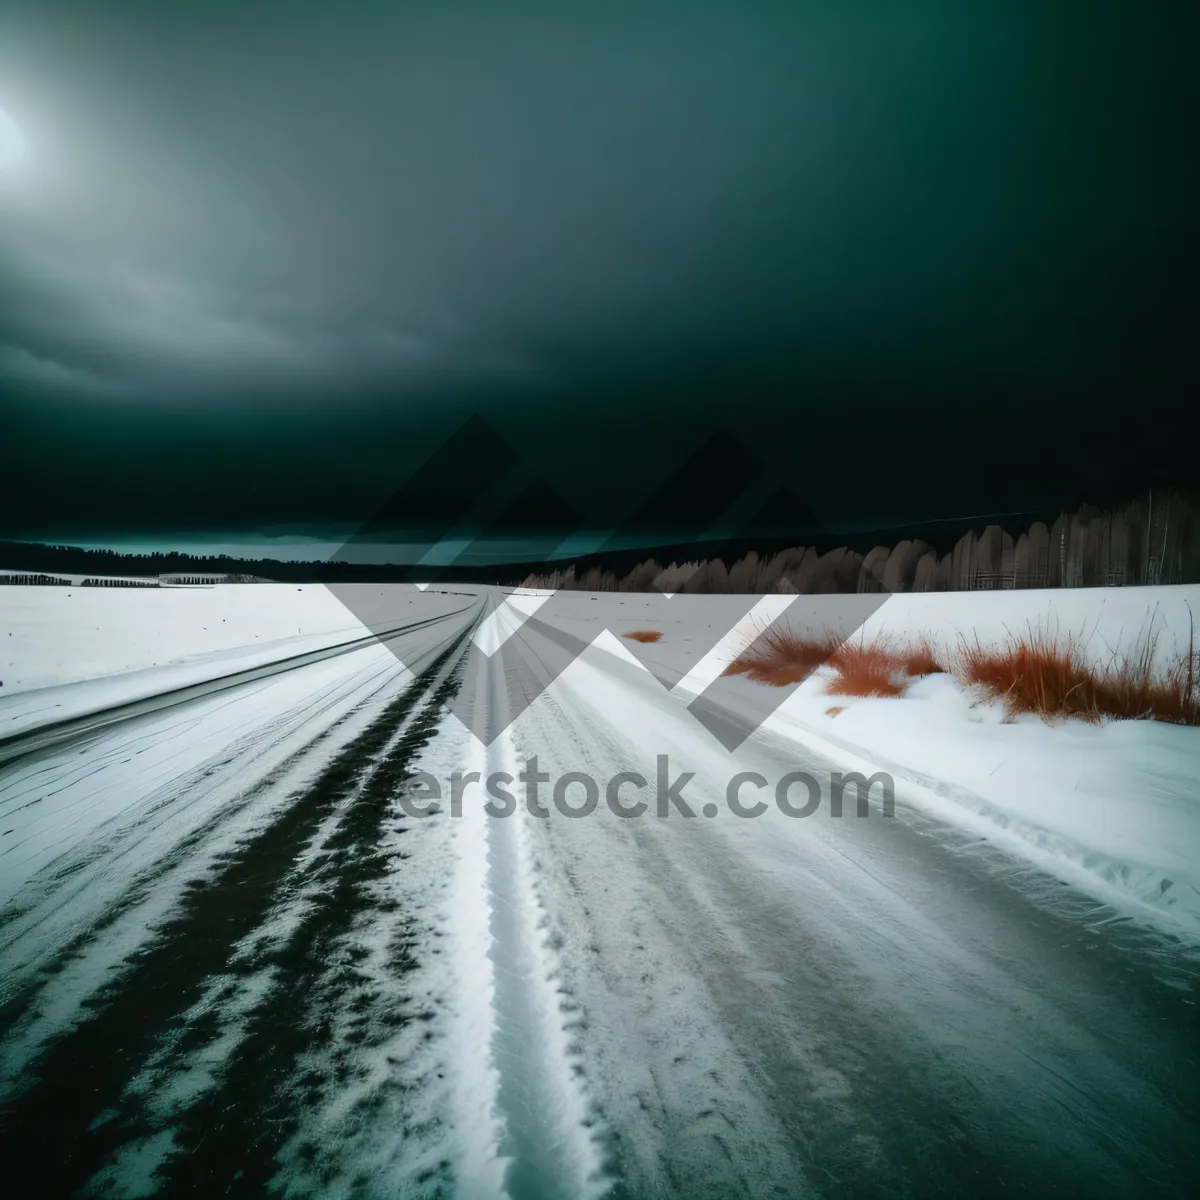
(293, 246)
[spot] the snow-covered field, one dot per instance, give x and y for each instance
(66, 653)
(62, 635)
(233, 959)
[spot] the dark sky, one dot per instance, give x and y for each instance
(259, 261)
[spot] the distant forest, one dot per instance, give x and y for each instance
(1152, 540)
(178, 567)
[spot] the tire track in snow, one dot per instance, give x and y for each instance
(77, 1112)
(79, 918)
(69, 792)
(302, 1048)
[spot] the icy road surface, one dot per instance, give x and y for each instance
(231, 963)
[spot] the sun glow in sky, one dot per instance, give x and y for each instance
(12, 143)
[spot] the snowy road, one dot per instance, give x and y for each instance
(232, 960)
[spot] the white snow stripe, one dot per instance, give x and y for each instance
(542, 1097)
(480, 1172)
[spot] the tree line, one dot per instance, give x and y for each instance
(1151, 541)
(1155, 539)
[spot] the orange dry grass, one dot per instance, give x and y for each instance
(779, 657)
(1033, 673)
(1135, 689)
(643, 635)
(920, 659)
(876, 669)
(1037, 672)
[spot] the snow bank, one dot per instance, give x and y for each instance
(1112, 808)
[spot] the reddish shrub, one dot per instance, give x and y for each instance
(862, 669)
(779, 657)
(1037, 672)
(920, 659)
(643, 635)
(1033, 673)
